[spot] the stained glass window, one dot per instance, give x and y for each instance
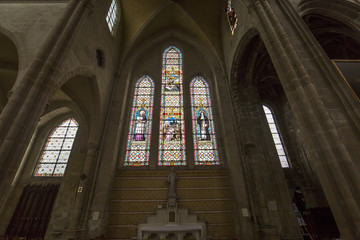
(231, 16)
(203, 124)
(138, 145)
(56, 152)
(276, 137)
(172, 125)
(111, 17)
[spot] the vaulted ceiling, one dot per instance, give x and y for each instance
(143, 19)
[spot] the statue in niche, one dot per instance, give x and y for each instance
(172, 177)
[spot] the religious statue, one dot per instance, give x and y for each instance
(203, 122)
(140, 126)
(172, 177)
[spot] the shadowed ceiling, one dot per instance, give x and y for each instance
(143, 19)
(8, 67)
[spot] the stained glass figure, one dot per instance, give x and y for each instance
(111, 17)
(276, 137)
(138, 144)
(140, 125)
(172, 125)
(56, 152)
(205, 147)
(231, 16)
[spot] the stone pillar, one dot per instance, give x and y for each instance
(228, 141)
(302, 173)
(274, 216)
(326, 111)
(26, 105)
(68, 219)
(79, 216)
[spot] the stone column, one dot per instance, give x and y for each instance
(273, 213)
(79, 216)
(26, 105)
(228, 144)
(328, 115)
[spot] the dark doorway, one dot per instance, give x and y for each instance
(33, 211)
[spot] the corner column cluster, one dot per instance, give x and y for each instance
(305, 72)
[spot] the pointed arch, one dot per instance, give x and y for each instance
(205, 148)
(56, 152)
(138, 145)
(276, 137)
(172, 124)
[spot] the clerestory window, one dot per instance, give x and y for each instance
(112, 16)
(276, 138)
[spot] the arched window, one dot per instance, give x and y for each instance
(203, 124)
(276, 137)
(172, 125)
(138, 145)
(56, 152)
(112, 16)
(172, 148)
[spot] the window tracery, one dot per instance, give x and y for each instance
(172, 148)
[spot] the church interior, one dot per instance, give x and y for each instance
(180, 119)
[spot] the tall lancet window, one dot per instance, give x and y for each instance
(276, 137)
(138, 145)
(172, 125)
(203, 124)
(56, 152)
